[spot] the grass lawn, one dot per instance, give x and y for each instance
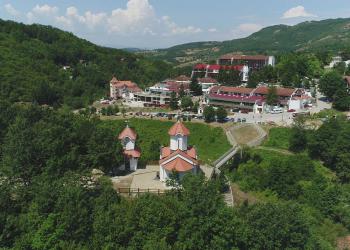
(210, 142)
(278, 138)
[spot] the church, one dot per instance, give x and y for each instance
(131, 154)
(178, 157)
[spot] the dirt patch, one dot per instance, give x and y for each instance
(343, 243)
(245, 134)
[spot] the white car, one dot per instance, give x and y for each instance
(276, 111)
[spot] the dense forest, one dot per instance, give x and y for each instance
(312, 36)
(33, 57)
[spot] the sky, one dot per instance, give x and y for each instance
(163, 23)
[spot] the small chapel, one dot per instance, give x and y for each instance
(178, 157)
(131, 154)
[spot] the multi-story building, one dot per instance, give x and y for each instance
(254, 99)
(122, 89)
(253, 62)
(213, 70)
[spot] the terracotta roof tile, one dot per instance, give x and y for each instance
(127, 132)
(132, 153)
(178, 128)
(179, 165)
(178, 152)
(239, 90)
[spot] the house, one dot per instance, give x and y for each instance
(131, 154)
(254, 62)
(206, 83)
(284, 94)
(122, 89)
(178, 157)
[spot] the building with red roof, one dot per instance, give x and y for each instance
(207, 83)
(252, 99)
(131, 154)
(119, 89)
(254, 62)
(178, 157)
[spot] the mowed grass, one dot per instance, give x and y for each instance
(278, 138)
(210, 142)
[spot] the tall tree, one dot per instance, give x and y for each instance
(209, 114)
(330, 83)
(195, 87)
(272, 97)
(173, 101)
(221, 114)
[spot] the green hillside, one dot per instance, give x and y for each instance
(32, 59)
(317, 36)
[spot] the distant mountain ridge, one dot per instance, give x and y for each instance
(331, 35)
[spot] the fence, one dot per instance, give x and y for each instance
(138, 191)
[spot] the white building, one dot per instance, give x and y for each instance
(179, 157)
(206, 83)
(131, 153)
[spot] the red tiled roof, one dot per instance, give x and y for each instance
(165, 152)
(263, 90)
(207, 80)
(192, 152)
(214, 67)
(132, 153)
(248, 99)
(179, 165)
(125, 84)
(200, 66)
(236, 90)
(178, 152)
(243, 57)
(127, 132)
(178, 128)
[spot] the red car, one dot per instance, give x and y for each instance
(291, 110)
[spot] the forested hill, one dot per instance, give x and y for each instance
(317, 36)
(32, 59)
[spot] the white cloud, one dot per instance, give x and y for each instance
(174, 29)
(212, 30)
(296, 12)
(45, 10)
(139, 15)
(137, 18)
(11, 10)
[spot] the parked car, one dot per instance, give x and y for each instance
(239, 120)
(276, 111)
(291, 110)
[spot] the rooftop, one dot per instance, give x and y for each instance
(178, 128)
(127, 132)
(243, 57)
